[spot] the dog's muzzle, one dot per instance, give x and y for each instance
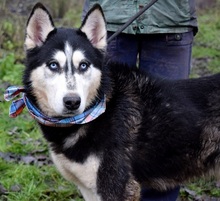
(72, 102)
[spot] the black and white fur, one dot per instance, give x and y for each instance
(155, 133)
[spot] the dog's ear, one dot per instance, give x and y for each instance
(94, 27)
(39, 25)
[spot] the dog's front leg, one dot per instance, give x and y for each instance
(132, 191)
(116, 183)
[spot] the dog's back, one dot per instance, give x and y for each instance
(179, 135)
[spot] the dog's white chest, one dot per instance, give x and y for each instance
(84, 175)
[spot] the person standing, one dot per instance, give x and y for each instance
(158, 42)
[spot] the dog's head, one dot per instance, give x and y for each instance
(64, 66)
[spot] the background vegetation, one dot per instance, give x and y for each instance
(26, 172)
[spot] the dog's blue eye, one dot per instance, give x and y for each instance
(53, 66)
(83, 66)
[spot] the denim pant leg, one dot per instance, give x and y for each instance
(153, 195)
(123, 49)
(167, 55)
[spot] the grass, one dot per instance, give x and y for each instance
(21, 136)
(206, 49)
(36, 183)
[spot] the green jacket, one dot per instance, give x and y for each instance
(165, 16)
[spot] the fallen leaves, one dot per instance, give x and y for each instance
(30, 159)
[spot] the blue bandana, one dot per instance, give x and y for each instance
(18, 105)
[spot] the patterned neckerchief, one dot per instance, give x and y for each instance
(18, 105)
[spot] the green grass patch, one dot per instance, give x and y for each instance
(10, 70)
(205, 186)
(206, 47)
(35, 183)
(19, 134)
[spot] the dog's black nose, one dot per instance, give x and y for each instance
(72, 102)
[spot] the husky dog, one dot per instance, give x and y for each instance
(154, 132)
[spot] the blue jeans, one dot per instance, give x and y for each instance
(153, 195)
(164, 55)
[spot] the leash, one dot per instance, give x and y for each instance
(138, 14)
